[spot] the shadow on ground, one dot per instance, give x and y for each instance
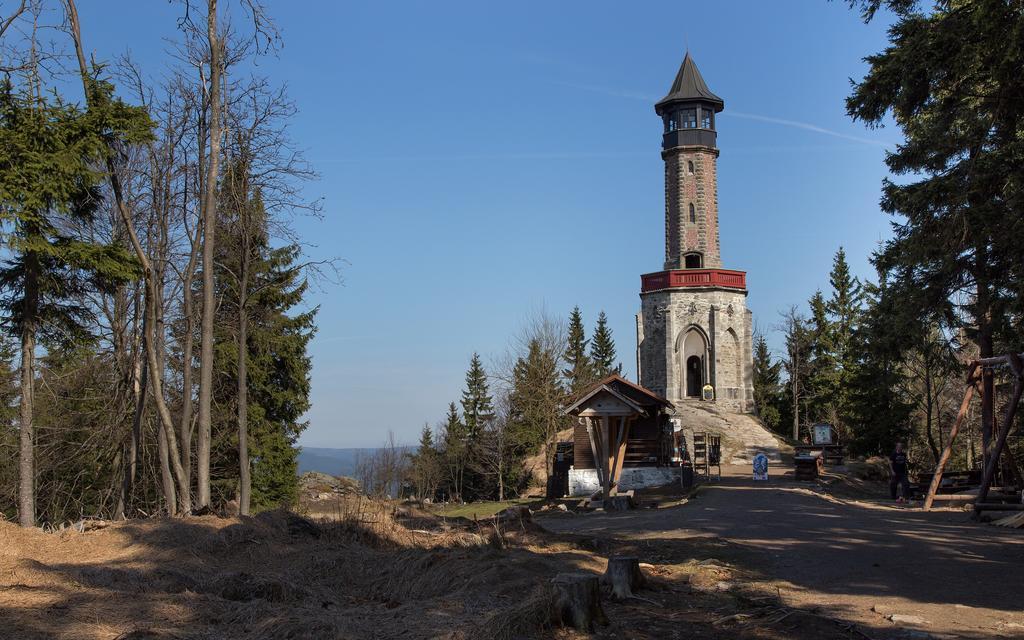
(808, 551)
(713, 565)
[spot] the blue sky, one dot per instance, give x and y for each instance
(482, 161)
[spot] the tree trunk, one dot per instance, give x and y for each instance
(156, 384)
(166, 479)
(141, 385)
(185, 424)
(151, 295)
(796, 404)
(984, 319)
(26, 466)
(244, 475)
(209, 242)
(163, 438)
(929, 408)
(501, 474)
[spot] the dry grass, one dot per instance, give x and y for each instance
(358, 569)
(362, 572)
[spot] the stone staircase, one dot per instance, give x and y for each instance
(743, 435)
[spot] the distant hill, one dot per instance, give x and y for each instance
(336, 462)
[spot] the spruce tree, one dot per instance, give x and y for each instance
(879, 410)
(278, 374)
(477, 405)
(456, 445)
(602, 349)
(580, 371)
(844, 309)
(822, 373)
(951, 79)
(424, 467)
(49, 183)
(537, 398)
(767, 384)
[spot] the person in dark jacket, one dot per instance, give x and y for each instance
(899, 484)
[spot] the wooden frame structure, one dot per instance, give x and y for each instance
(997, 444)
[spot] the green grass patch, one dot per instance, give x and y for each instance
(478, 509)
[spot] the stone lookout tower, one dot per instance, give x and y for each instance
(694, 328)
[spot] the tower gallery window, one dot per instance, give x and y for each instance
(706, 121)
(688, 119)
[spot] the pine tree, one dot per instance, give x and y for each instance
(536, 399)
(580, 372)
(822, 377)
(425, 465)
(602, 349)
(277, 371)
(844, 309)
(880, 413)
(477, 405)
(767, 384)
(455, 452)
(951, 78)
(48, 180)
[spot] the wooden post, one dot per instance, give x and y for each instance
(1011, 410)
(625, 425)
(594, 448)
(937, 476)
(605, 435)
(620, 450)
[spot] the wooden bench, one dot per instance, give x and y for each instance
(808, 465)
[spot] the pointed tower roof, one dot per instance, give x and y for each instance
(689, 86)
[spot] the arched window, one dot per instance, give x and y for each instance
(693, 261)
(689, 167)
(693, 213)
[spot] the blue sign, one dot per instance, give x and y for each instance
(760, 467)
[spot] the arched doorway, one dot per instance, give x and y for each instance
(694, 376)
(692, 348)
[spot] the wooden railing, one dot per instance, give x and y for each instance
(693, 278)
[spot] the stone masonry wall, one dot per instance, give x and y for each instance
(683, 188)
(722, 318)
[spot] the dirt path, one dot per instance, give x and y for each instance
(846, 557)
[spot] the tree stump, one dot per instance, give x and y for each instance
(617, 503)
(623, 576)
(578, 601)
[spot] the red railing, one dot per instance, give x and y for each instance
(693, 278)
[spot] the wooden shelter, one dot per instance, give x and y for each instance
(619, 424)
